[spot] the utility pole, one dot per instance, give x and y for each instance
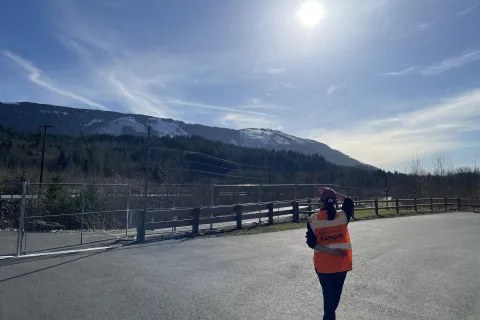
(386, 188)
(143, 214)
(147, 163)
(45, 127)
(269, 173)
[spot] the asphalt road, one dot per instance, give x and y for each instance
(420, 267)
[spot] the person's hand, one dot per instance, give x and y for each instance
(338, 252)
(320, 189)
(340, 196)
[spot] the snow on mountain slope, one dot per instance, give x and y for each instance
(165, 128)
(93, 121)
(268, 137)
(26, 116)
(123, 125)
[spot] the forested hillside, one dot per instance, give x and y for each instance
(183, 159)
(27, 116)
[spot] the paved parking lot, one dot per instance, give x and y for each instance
(420, 267)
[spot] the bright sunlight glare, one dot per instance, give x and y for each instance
(310, 13)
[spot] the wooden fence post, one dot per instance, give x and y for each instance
(396, 206)
(309, 206)
(238, 210)
(431, 204)
(445, 200)
(270, 213)
(141, 214)
(196, 221)
(459, 204)
(415, 204)
(376, 207)
(296, 214)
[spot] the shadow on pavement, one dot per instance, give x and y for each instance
(153, 242)
(79, 246)
(52, 266)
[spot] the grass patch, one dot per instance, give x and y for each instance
(279, 226)
(359, 215)
(284, 224)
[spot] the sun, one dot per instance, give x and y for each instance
(310, 13)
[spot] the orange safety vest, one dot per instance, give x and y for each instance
(333, 234)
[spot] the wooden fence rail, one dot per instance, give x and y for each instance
(194, 217)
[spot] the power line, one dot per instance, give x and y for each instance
(210, 165)
(218, 174)
(209, 157)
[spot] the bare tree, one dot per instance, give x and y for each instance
(417, 174)
(442, 168)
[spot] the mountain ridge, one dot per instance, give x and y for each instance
(27, 116)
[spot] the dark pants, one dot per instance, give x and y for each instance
(332, 286)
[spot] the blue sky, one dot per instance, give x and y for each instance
(379, 80)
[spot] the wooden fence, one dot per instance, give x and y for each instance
(195, 217)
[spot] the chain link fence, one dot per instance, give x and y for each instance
(10, 208)
(66, 215)
(38, 217)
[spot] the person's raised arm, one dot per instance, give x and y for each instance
(340, 196)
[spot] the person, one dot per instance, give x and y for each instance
(327, 233)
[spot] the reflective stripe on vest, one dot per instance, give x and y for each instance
(345, 246)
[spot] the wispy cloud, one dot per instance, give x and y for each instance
(258, 103)
(111, 69)
(238, 110)
(469, 9)
(332, 89)
(289, 85)
(275, 71)
(241, 121)
(280, 86)
(389, 141)
(402, 72)
(441, 67)
(373, 5)
(451, 63)
(422, 27)
(37, 76)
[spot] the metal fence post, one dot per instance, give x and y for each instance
(128, 211)
(238, 211)
(431, 204)
(445, 200)
(21, 220)
(396, 206)
(259, 193)
(196, 221)
(238, 191)
(459, 203)
(203, 194)
(270, 213)
(174, 196)
(213, 194)
(83, 213)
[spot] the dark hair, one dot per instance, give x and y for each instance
(329, 204)
(348, 205)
